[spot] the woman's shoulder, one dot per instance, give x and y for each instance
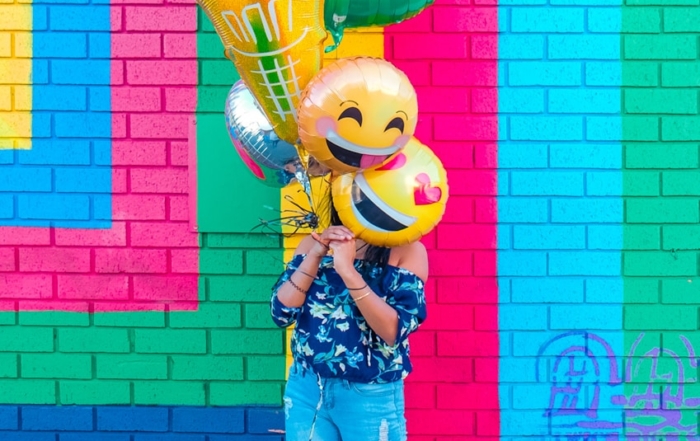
(412, 257)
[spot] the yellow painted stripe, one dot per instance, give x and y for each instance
(367, 42)
(15, 74)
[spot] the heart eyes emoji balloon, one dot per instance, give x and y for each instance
(356, 113)
(395, 203)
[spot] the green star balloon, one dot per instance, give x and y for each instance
(342, 14)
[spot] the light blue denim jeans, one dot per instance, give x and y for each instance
(330, 409)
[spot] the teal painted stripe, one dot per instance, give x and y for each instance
(560, 216)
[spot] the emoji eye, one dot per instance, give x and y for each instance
(396, 123)
(352, 112)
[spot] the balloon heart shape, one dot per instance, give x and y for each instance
(425, 194)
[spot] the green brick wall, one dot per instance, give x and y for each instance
(661, 185)
(229, 198)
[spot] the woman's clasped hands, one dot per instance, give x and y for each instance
(340, 242)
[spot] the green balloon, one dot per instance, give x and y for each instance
(342, 14)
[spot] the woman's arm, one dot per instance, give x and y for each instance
(380, 316)
(292, 293)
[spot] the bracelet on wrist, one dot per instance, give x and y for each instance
(357, 289)
(363, 296)
(297, 287)
(324, 245)
(307, 274)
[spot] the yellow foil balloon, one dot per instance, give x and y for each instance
(395, 203)
(356, 113)
(276, 46)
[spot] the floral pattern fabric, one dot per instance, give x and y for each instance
(333, 339)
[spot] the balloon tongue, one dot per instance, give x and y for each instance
(396, 163)
(368, 161)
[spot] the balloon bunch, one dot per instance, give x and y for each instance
(353, 120)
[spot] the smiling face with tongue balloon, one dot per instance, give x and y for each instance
(395, 203)
(356, 113)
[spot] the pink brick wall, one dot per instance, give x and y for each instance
(450, 52)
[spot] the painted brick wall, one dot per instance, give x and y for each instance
(119, 321)
(564, 277)
(450, 54)
(559, 207)
(598, 209)
(660, 133)
(96, 201)
(55, 83)
(136, 327)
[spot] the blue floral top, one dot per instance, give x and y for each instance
(333, 339)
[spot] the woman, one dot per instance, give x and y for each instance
(354, 306)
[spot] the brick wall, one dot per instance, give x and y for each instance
(449, 52)
(597, 210)
(562, 298)
(660, 92)
(121, 322)
(560, 216)
(96, 207)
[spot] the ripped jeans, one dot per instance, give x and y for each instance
(330, 409)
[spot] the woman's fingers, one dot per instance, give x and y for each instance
(339, 236)
(337, 233)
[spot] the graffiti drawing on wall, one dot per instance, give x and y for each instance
(595, 394)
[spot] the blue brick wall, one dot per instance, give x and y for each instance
(113, 423)
(65, 180)
(560, 221)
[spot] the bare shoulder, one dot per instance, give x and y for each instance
(413, 257)
(305, 245)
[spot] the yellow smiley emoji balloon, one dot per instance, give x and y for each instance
(357, 112)
(395, 203)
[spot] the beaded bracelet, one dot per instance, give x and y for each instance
(297, 286)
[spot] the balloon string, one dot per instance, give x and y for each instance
(299, 218)
(303, 178)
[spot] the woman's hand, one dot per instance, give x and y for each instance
(323, 241)
(343, 256)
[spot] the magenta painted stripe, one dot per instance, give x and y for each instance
(458, 104)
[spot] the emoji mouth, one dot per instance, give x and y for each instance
(374, 213)
(357, 156)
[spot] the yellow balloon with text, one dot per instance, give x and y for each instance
(276, 46)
